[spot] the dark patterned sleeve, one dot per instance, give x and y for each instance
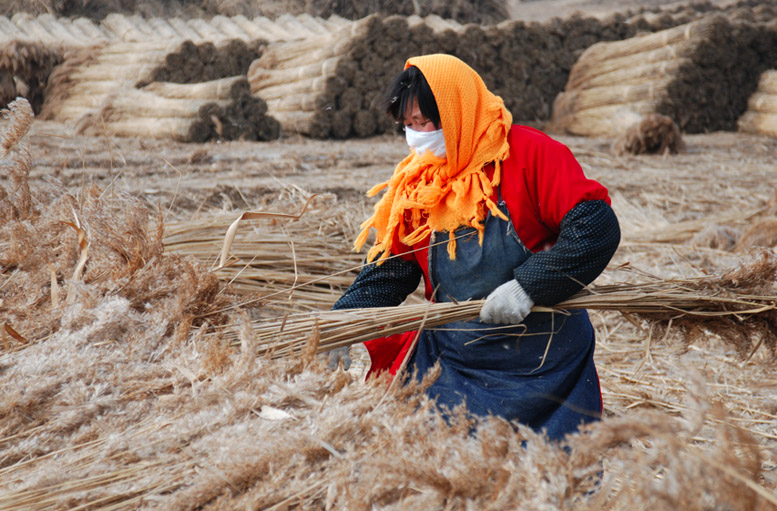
(384, 285)
(589, 236)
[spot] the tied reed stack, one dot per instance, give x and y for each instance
(163, 78)
(70, 32)
(116, 92)
(761, 116)
(697, 74)
(333, 85)
(304, 262)
(24, 71)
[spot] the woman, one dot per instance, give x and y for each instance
(479, 209)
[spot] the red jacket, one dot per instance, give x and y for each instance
(541, 181)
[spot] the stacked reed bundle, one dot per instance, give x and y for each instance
(87, 78)
(193, 63)
(100, 94)
(740, 306)
(24, 71)
(50, 31)
(15, 162)
(662, 18)
(463, 11)
(761, 116)
(332, 86)
(298, 79)
(696, 74)
(302, 263)
(67, 32)
(220, 109)
(119, 51)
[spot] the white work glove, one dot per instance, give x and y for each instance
(338, 354)
(507, 304)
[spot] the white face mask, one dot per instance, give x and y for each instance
(422, 141)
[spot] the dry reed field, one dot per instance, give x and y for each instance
(164, 318)
(153, 378)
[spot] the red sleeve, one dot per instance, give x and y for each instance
(541, 182)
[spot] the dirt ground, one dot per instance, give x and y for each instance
(718, 173)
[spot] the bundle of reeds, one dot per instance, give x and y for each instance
(45, 30)
(761, 115)
(88, 77)
(24, 70)
(742, 303)
(332, 86)
(204, 62)
(67, 32)
(98, 92)
(462, 11)
(15, 161)
(653, 134)
(298, 79)
(302, 263)
(697, 74)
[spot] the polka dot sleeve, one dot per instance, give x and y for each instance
(589, 236)
(386, 285)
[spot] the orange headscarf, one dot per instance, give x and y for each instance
(427, 193)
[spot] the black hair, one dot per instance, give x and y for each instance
(410, 84)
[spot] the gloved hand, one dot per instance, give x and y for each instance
(338, 354)
(507, 304)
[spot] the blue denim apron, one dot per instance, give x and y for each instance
(540, 372)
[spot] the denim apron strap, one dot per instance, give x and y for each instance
(478, 269)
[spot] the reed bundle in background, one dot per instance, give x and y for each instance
(24, 70)
(15, 161)
(336, 89)
(527, 64)
(761, 115)
(77, 32)
(740, 306)
(204, 62)
(332, 86)
(118, 92)
(699, 75)
(120, 51)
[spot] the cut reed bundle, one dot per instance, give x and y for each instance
(116, 27)
(331, 85)
(190, 93)
(327, 330)
(738, 299)
(24, 70)
(761, 115)
(15, 160)
(691, 73)
(308, 257)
